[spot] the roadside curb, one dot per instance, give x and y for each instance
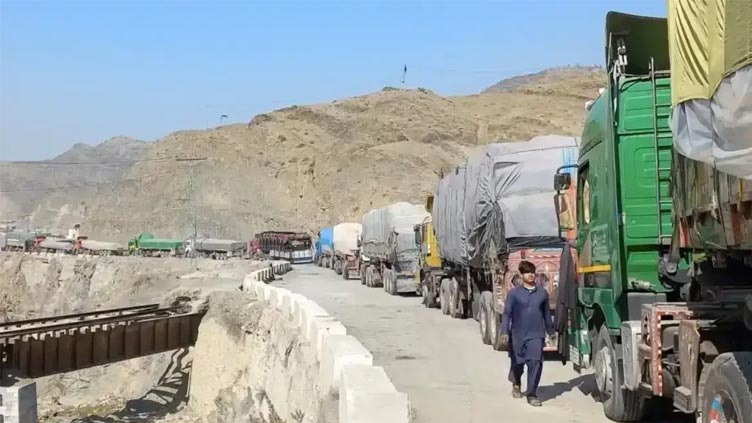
(366, 395)
(266, 274)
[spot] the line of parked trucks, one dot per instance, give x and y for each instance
(644, 239)
(293, 246)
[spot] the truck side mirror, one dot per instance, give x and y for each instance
(562, 181)
(359, 242)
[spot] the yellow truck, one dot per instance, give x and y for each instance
(429, 260)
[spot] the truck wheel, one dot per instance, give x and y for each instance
(429, 296)
(456, 308)
(362, 275)
(484, 317)
(727, 396)
(338, 267)
(444, 296)
(494, 330)
(345, 273)
(619, 404)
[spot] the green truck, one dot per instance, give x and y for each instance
(146, 245)
(661, 300)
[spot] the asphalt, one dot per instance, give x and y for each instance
(449, 375)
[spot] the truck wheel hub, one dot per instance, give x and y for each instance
(603, 375)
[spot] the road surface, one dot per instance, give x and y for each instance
(440, 362)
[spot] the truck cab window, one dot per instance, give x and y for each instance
(584, 189)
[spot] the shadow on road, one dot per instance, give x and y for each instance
(659, 411)
(165, 398)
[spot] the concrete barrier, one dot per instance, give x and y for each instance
(340, 351)
(366, 395)
(19, 402)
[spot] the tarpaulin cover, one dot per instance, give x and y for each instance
(325, 242)
(710, 44)
(502, 195)
(213, 244)
(345, 237)
(92, 245)
(379, 224)
(53, 244)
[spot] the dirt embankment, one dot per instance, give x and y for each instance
(248, 364)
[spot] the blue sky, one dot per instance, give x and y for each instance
(86, 71)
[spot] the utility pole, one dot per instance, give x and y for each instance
(192, 203)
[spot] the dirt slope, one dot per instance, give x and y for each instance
(53, 195)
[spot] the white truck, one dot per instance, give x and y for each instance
(346, 252)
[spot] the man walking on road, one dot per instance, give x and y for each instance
(527, 318)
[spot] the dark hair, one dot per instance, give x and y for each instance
(526, 267)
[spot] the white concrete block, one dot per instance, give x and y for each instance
(366, 395)
(296, 303)
(273, 298)
(309, 311)
(19, 402)
(339, 351)
(323, 327)
(284, 301)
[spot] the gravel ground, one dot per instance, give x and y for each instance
(441, 363)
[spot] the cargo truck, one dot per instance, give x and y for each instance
(217, 249)
(324, 248)
(491, 212)
(429, 259)
(295, 247)
(346, 252)
(17, 241)
(389, 253)
(662, 304)
(146, 245)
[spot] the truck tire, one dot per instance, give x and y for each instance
(345, 273)
(338, 266)
(620, 405)
(362, 276)
(727, 396)
(456, 308)
(484, 317)
(429, 296)
(444, 296)
(369, 276)
(494, 329)
(390, 282)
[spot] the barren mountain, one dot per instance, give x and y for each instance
(303, 167)
(53, 193)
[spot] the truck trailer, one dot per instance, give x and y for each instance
(662, 308)
(218, 249)
(389, 253)
(324, 248)
(345, 238)
(488, 214)
(295, 247)
(146, 245)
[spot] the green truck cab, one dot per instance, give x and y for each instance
(659, 308)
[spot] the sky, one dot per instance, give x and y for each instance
(86, 71)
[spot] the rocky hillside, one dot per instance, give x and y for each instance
(53, 193)
(302, 167)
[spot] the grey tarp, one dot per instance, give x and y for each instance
(719, 131)
(214, 244)
(503, 194)
(379, 224)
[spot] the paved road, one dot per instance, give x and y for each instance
(440, 362)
